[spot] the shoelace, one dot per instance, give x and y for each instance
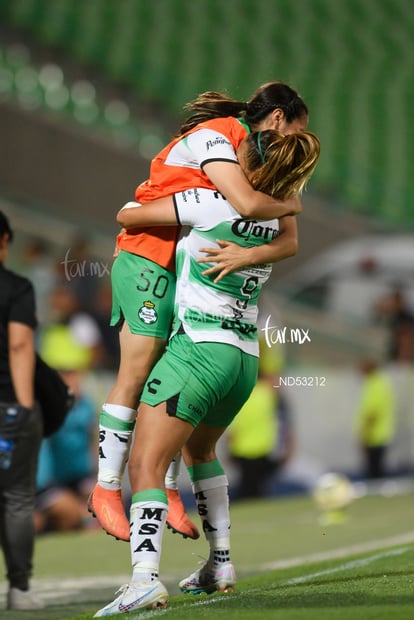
(122, 588)
(202, 560)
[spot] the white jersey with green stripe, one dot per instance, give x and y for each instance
(225, 311)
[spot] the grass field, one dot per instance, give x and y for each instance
(290, 567)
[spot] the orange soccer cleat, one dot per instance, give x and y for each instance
(177, 519)
(107, 506)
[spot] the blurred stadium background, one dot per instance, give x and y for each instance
(90, 90)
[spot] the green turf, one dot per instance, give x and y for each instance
(377, 586)
(263, 535)
(261, 532)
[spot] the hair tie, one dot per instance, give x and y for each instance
(259, 147)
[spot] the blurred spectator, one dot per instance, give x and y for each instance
(260, 437)
(83, 273)
(374, 423)
(353, 289)
(72, 340)
(285, 440)
(67, 466)
(41, 270)
(109, 334)
(393, 309)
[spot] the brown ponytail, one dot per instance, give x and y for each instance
(210, 105)
(266, 98)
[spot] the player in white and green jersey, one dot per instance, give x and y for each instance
(210, 365)
(214, 322)
(224, 311)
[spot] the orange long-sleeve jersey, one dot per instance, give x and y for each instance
(157, 243)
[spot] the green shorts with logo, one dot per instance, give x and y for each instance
(142, 295)
(201, 382)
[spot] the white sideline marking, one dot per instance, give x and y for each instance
(146, 615)
(59, 588)
(348, 565)
(336, 554)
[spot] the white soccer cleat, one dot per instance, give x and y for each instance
(136, 595)
(210, 579)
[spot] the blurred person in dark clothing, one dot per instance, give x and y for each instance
(82, 271)
(109, 334)
(394, 310)
(39, 266)
(21, 428)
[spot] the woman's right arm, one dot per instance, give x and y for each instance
(158, 212)
(22, 362)
(231, 181)
(21, 329)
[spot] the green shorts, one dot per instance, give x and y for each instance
(201, 382)
(142, 295)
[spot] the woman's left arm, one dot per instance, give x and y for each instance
(231, 257)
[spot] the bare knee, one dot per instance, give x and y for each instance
(127, 390)
(195, 455)
(201, 445)
(129, 385)
(146, 472)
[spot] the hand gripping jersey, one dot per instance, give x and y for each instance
(225, 311)
(177, 167)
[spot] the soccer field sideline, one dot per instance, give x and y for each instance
(206, 602)
(62, 589)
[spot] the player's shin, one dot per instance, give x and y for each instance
(148, 516)
(116, 424)
(210, 488)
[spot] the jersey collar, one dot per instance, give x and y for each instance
(245, 125)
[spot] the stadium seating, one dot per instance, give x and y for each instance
(351, 61)
(45, 86)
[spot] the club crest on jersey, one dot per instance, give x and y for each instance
(147, 313)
